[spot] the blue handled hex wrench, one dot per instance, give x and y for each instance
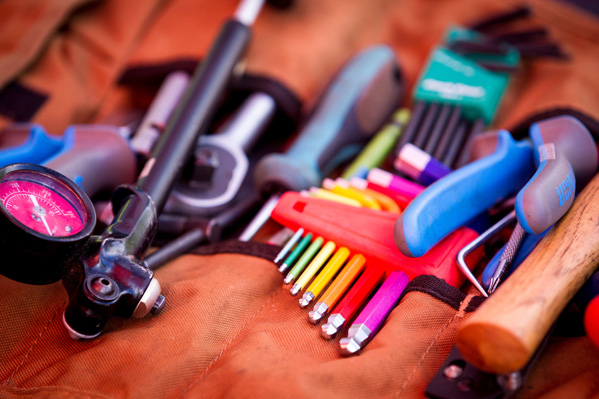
(458, 197)
(566, 162)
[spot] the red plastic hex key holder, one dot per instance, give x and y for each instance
(370, 232)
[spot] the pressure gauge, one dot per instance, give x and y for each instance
(45, 220)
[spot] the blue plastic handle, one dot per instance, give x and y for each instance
(460, 196)
(37, 148)
(360, 98)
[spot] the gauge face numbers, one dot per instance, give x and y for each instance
(42, 203)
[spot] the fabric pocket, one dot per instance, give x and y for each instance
(231, 329)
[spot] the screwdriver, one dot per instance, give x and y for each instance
(566, 160)
(358, 102)
(520, 313)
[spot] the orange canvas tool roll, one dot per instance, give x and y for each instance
(229, 328)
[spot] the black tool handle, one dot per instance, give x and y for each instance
(192, 117)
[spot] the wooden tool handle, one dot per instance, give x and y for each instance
(503, 334)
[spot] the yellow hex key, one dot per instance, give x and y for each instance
(363, 198)
(328, 195)
(384, 201)
(313, 268)
(338, 287)
(325, 276)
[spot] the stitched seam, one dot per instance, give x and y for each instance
(459, 314)
(57, 389)
(39, 336)
(194, 382)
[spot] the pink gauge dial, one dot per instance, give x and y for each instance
(46, 221)
(42, 203)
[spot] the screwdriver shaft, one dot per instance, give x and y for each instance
(480, 240)
(507, 257)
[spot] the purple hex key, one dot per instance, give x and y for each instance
(374, 314)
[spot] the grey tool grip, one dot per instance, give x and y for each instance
(96, 157)
(548, 195)
(359, 100)
(170, 93)
(573, 141)
(567, 157)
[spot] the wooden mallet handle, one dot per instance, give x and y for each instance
(503, 334)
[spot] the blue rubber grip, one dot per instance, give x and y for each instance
(455, 199)
(359, 100)
(37, 148)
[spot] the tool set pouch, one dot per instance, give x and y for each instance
(229, 327)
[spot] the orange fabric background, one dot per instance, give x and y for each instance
(229, 329)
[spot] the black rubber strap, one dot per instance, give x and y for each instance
(20, 103)
(520, 130)
(252, 248)
(439, 289)
(148, 75)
